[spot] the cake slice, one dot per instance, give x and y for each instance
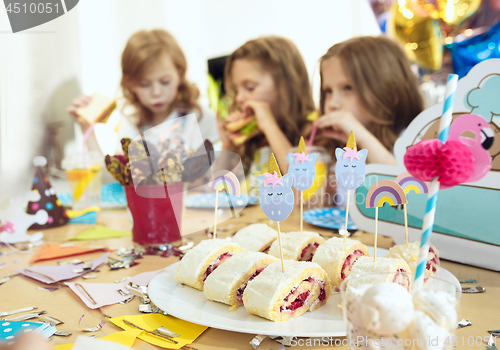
(337, 257)
(228, 282)
(203, 259)
(256, 238)
(366, 271)
(410, 254)
(299, 246)
(280, 296)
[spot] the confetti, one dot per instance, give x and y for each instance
(51, 320)
(62, 334)
(464, 323)
(48, 289)
(149, 332)
(476, 289)
(89, 276)
(468, 281)
(126, 301)
(27, 316)
(167, 332)
(93, 329)
(8, 313)
(286, 341)
(255, 342)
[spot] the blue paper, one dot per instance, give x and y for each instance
(350, 169)
(332, 218)
(276, 195)
(9, 330)
(303, 169)
(85, 219)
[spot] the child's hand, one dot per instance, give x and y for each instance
(227, 144)
(80, 101)
(262, 112)
(338, 125)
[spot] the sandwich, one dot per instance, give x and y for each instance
(242, 129)
(98, 110)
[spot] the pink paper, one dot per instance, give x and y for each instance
(53, 274)
(107, 293)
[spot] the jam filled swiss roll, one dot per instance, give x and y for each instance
(256, 238)
(410, 252)
(280, 296)
(203, 259)
(336, 256)
(299, 246)
(367, 267)
(228, 282)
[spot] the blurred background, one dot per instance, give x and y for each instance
(42, 69)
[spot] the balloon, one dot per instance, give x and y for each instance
(466, 54)
(455, 12)
(420, 35)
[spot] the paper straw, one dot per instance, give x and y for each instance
(311, 137)
(430, 210)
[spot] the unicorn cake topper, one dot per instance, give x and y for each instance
(350, 168)
(302, 167)
(276, 195)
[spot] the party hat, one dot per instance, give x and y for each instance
(351, 141)
(302, 146)
(273, 166)
(48, 200)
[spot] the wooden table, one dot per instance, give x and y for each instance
(481, 309)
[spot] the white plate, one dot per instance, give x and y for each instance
(190, 304)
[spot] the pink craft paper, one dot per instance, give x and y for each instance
(107, 293)
(58, 273)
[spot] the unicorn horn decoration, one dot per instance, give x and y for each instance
(350, 170)
(302, 167)
(276, 196)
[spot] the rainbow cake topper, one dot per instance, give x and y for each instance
(225, 180)
(409, 183)
(302, 167)
(385, 191)
(276, 194)
(350, 168)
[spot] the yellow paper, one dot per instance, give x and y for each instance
(63, 346)
(77, 213)
(126, 338)
(189, 331)
(99, 232)
(321, 174)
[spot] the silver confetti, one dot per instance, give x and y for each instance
(123, 291)
(77, 271)
(13, 312)
(51, 320)
(27, 316)
(287, 341)
(144, 289)
(62, 334)
(94, 329)
(167, 332)
(48, 289)
(89, 276)
(464, 323)
(122, 279)
(76, 262)
(5, 279)
(468, 281)
(87, 265)
(145, 308)
(133, 285)
(476, 289)
(145, 299)
(186, 247)
(126, 301)
(257, 340)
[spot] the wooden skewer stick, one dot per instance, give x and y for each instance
(406, 224)
(215, 213)
(281, 249)
(376, 225)
(301, 212)
(346, 216)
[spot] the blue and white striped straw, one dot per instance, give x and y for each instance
(430, 210)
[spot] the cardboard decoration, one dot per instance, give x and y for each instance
(466, 221)
(223, 180)
(48, 199)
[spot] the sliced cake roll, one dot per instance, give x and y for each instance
(256, 238)
(365, 270)
(203, 259)
(299, 246)
(410, 255)
(336, 257)
(228, 282)
(280, 296)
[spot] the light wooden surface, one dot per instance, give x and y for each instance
(482, 309)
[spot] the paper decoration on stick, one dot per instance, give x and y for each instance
(409, 183)
(48, 199)
(384, 191)
(479, 144)
(224, 180)
(276, 196)
(303, 168)
(14, 221)
(350, 170)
